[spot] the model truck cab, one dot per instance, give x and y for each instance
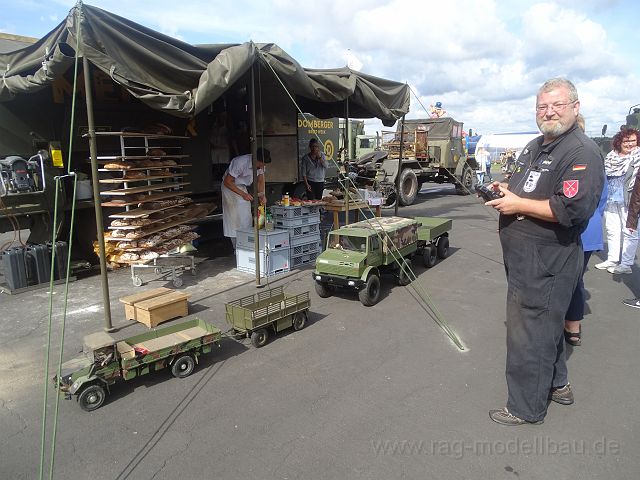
(358, 254)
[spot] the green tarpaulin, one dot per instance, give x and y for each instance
(182, 79)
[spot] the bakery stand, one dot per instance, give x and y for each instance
(159, 209)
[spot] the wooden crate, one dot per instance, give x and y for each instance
(153, 307)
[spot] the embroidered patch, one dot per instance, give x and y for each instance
(579, 168)
(532, 182)
(570, 188)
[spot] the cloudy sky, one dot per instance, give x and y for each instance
(482, 59)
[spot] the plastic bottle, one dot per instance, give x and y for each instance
(285, 201)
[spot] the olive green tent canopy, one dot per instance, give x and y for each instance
(182, 79)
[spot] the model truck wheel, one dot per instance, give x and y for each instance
(299, 321)
(408, 187)
(260, 337)
(443, 247)
(429, 256)
(323, 290)
(370, 294)
(183, 366)
(92, 398)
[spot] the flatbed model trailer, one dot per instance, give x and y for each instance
(358, 254)
(107, 360)
(257, 316)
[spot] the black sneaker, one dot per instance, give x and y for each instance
(632, 302)
(504, 417)
(562, 395)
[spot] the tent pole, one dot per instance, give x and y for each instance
(399, 165)
(108, 327)
(254, 162)
(348, 139)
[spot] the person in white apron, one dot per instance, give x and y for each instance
(236, 200)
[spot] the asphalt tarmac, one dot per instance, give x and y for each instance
(360, 393)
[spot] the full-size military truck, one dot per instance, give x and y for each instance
(106, 360)
(358, 254)
(432, 151)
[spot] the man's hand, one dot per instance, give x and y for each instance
(248, 197)
(308, 187)
(509, 204)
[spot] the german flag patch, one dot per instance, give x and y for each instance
(579, 168)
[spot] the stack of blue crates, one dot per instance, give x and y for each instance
(303, 225)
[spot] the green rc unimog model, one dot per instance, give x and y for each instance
(106, 360)
(357, 254)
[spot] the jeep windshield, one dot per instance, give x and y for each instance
(346, 242)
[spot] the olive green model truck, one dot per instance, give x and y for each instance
(358, 254)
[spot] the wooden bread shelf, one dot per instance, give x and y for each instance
(142, 179)
(147, 199)
(146, 188)
(111, 158)
(136, 135)
(164, 240)
(153, 221)
(152, 231)
(159, 167)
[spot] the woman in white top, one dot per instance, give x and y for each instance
(236, 200)
(621, 166)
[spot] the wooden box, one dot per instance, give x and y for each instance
(153, 307)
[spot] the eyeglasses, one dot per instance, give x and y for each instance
(630, 142)
(555, 107)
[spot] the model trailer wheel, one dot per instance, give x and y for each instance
(92, 398)
(177, 282)
(408, 187)
(183, 366)
(299, 321)
(443, 247)
(429, 256)
(370, 294)
(323, 290)
(260, 337)
(137, 281)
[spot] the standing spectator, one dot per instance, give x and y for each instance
(591, 241)
(314, 166)
(621, 165)
(546, 205)
(481, 156)
(632, 225)
(487, 165)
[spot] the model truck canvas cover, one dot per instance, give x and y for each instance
(399, 232)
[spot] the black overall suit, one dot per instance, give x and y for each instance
(543, 261)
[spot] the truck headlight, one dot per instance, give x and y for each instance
(351, 283)
(318, 277)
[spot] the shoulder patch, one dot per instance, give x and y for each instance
(570, 188)
(579, 168)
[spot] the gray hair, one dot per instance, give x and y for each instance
(554, 83)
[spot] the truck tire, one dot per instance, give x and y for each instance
(370, 294)
(183, 366)
(92, 398)
(299, 320)
(260, 337)
(464, 184)
(408, 187)
(443, 247)
(403, 275)
(323, 291)
(429, 256)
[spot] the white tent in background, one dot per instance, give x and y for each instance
(497, 143)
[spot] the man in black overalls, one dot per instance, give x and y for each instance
(547, 203)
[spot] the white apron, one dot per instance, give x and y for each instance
(236, 211)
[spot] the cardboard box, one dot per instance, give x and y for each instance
(153, 307)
